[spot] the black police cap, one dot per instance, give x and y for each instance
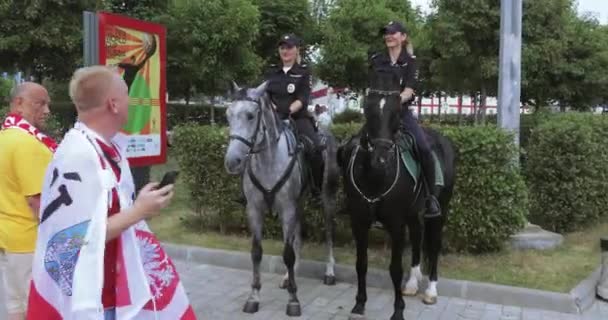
(290, 40)
(392, 27)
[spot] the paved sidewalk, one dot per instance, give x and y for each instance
(219, 294)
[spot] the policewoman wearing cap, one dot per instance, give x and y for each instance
(289, 85)
(399, 58)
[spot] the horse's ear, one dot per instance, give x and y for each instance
(261, 89)
(235, 87)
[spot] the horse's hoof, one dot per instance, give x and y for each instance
(251, 307)
(284, 284)
(429, 300)
(397, 316)
(329, 280)
(356, 316)
(358, 309)
(293, 309)
(409, 292)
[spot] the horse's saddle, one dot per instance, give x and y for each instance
(407, 149)
(297, 142)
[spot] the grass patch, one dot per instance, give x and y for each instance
(556, 270)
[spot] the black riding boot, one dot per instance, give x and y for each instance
(433, 208)
(316, 183)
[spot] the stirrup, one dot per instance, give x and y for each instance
(432, 201)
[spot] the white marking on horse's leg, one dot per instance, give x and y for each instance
(431, 291)
(430, 295)
(255, 295)
(411, 287)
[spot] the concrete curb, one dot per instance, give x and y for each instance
(584, 293)
(576, 301)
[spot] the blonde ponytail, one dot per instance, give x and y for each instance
(409, 47)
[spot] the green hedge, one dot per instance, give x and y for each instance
(200, 153)
(178, 114)
(567, 171)
(348, 116)
(490, 197)
(489, 202)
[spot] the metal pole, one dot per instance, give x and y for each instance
(602, 287)
(509, 83)
(91, 36)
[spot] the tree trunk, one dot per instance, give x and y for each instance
(439, 108)
(460, 109)
(439, 96)
(419, 106)
(212, 118)
(483, 106)
(474, 106)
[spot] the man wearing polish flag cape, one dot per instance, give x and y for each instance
(95, 256)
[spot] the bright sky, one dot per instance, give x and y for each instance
(597, 7)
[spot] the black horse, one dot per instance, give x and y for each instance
(378, 187)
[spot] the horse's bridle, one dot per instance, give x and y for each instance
(388, 143)
(253, 141)
(390, 146)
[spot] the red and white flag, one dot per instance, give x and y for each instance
(68, 267)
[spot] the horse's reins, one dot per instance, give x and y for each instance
(351, 166)
(391, 145)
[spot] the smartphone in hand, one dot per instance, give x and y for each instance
(168, 178)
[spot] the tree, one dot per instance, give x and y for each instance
(583, 82)
(351, 34)
(5, 89)
(42, 37)
(209, 44)
(149, 10)
(465, 35)
(320, 9)
(278, 17)
(544, 35)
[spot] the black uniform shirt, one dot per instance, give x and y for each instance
(285, 88)
(404, 68)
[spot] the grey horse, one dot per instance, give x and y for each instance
(264, 151)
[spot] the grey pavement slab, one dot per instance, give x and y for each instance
(218, 293)
(579, 299)
(321, 302)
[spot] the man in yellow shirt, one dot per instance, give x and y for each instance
(25, 153)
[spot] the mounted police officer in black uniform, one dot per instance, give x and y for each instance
(400, 59)
(289, 86)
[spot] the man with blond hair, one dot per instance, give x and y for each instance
(95, 256)
(24, 156)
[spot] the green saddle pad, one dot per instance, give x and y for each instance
(413, 167)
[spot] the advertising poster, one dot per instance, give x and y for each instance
(137, 49)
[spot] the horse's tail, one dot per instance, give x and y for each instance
(332, 172)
